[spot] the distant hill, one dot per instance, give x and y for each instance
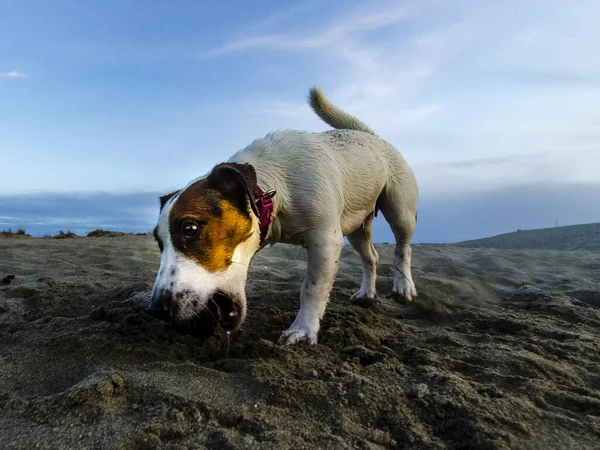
(575, 237)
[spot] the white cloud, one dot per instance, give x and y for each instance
(13, 74)
(283, 16)
(489, 174)
(336, 32)
(374, 78)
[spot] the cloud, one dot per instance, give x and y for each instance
(41, 214)
(336, 32)
(443, 83)
(477, 163)
(541, 78)
(284, 15)
(13, 74)
(300, 111)
(462, 216)
(489, 174)
(360, 57)
(450, 217)
(463, 89)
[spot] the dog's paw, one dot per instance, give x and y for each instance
(363, 293)
(363, 300)
(304, 329)
(364, 297)
(406, 290)
(296, 335)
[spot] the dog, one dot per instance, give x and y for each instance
(294, 187)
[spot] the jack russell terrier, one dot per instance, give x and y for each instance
(294, 187)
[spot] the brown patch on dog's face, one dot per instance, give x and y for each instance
(210, 218)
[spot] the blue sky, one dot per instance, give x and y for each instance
(483, 98)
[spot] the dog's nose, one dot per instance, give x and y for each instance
(161, 300)
(160, 304)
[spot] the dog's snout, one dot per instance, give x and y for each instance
(230, 313)
(161, 303)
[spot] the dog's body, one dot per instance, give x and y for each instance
(328, 185)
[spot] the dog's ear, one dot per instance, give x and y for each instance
(236, 181)
(165, 198)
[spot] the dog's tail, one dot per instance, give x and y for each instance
(334, 116)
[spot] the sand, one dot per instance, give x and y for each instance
(501, 350)
(574, 237)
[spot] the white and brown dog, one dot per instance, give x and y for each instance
(328, 185)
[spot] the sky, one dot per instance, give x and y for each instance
(495, 105)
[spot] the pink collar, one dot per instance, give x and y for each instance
(264, 207)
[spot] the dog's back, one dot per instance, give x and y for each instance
(399, 170)
(344, 170)
(342, 121)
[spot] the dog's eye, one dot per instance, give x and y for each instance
(190, 229)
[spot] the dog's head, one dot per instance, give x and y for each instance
(207, 234)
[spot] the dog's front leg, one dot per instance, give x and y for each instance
(322, 263)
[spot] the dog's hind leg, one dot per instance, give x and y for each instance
(323, 251)
(398, 205)
(360, 240)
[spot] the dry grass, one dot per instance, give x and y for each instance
(14, 234)
(64, 235)
(105, 233)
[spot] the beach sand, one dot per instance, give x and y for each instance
(500, 350)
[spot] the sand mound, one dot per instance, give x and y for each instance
(500, 351)
(574, 237)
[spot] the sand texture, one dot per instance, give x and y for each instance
(501, 350)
